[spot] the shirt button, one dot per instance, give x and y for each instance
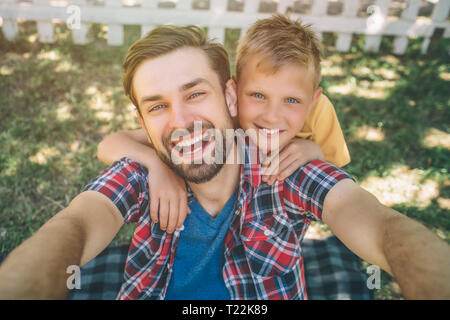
(267, 232)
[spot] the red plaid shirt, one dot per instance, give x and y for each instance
(263, 256)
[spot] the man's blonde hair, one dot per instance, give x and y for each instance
(281, 40)
(166, 39)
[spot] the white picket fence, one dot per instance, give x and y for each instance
(78, 14)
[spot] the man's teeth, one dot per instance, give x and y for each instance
(188, 142)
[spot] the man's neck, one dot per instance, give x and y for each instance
(214, 194)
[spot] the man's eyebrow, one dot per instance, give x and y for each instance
(184, 87)
(151, 98)
(193, 83)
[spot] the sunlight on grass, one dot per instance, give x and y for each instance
(444, 203)
(369, 133)
(42, 156)
(6, 71)
(351, 88)
(436, 138)
(403, 185)
(317, 230)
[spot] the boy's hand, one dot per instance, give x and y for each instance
(168, 194)
(294, 155)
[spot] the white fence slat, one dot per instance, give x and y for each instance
(115, 34)
(319, 7)
(372, 43)
(350, 8)
(10, 27)
(218, 6)
(283, 5)
(150, 4)
(440, 13)
(115, 30)
(217, 33)
(45, 28)
(375, 24)
(79, 32)
(446, 32)
(425, 44)
(243, 32)
(411, 11)
(218, 19)
(45, 31)
(251, 6)
(408, 14)
(184, 5)
(400, 45)
(146, 29)
(344, 40)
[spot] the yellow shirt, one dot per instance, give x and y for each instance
(322, 127)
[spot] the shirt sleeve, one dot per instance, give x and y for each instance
(125, 184)
(306, 189)
(322, 126)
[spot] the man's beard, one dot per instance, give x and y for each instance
(195, 173)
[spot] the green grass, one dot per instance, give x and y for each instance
(58, 100)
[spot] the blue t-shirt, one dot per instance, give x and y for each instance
(197, 269)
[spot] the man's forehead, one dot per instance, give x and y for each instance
(175, 69)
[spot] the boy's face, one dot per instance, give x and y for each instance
(279, 101)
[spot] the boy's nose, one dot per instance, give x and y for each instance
(271, 114)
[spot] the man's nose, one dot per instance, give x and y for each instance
(180, 118)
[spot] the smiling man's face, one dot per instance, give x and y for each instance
(174, 92)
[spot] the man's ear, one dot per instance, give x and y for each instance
(231, 97)
(142, 124)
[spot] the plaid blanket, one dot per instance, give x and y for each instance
(332, 272)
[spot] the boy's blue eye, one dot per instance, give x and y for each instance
(258, 95)
(291, 100)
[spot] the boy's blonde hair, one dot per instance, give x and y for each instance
(281, 40)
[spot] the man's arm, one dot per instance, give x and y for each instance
(37, 268)
(418, 260)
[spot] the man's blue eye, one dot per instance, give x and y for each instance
(195, 95)
(258, 95)
(292, 100)
(157, 107)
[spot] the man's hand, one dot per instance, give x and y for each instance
(293, 156)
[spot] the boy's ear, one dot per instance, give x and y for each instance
(231, 97)
(316, 97)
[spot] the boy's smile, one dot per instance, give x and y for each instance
(274, 103)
